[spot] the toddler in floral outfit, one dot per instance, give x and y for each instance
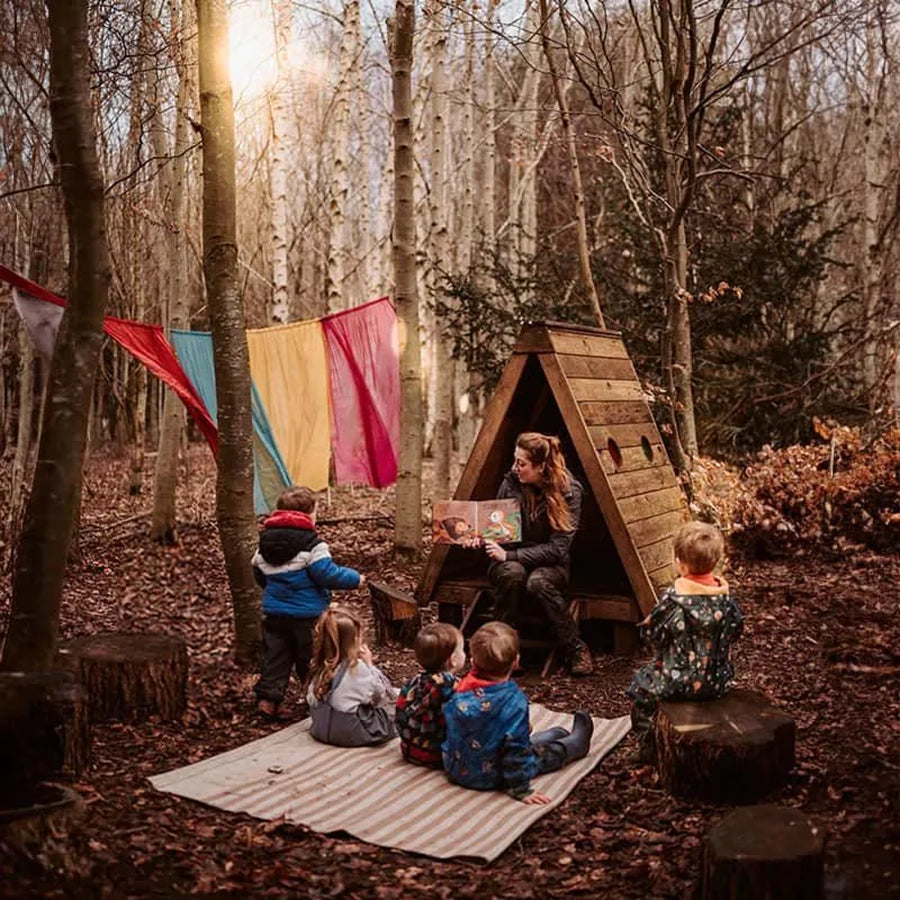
(691, 632)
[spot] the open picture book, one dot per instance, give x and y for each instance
(456, 521)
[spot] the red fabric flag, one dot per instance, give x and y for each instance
(145, 342)
(364, 369)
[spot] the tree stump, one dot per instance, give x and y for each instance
(129, 677)
(396, 615)
(764, 851)
(44, 730)
(735, 749)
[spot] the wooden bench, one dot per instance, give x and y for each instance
(458, 600)
(395, 614)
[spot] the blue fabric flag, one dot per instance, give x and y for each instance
(270, 475)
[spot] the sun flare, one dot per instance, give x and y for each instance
(252, 48)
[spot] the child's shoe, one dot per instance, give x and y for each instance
(578, 741)
(272, 711)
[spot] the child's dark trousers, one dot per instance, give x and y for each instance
(288, 643)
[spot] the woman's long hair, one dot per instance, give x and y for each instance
(337, 639)
(544, 451)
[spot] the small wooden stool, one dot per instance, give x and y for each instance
(763, 851)
(129, 677)
(396, 615)
(738, 748)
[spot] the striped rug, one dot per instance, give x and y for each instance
(374, 795)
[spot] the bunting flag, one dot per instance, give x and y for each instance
(363, 363)
(321, 388)
(41, 311)
(289, 367)
(270, 475)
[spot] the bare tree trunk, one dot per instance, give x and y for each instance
(278, 179)
(165, 478)
(408, 520)
(234, 486)
(30, 643)
(584, 256)
(438, 250)
(337, 250)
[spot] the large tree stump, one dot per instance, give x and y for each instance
(735, 749)
(396, 615)
(763, 851)
(44, 730)
(129, 677)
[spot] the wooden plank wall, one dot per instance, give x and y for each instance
(609, 396)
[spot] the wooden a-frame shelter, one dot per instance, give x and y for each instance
(578, 383)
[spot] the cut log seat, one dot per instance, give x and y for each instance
(44, 729)
(396, 615)
(129, 677)
(763, 851)
(735, 749)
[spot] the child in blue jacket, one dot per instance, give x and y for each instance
(488, 744)
(295, 570)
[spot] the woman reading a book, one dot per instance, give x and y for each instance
(550, 499)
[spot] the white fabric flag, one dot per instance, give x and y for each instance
(41, 319)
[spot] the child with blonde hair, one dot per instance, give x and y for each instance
(690, 632)
(489, 745)
(351, 701)
(420, 715)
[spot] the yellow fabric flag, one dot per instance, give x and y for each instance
(290, 369)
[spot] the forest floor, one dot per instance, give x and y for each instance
(821, 640)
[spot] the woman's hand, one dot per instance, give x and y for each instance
(495, 551)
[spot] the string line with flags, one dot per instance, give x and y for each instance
(322, 390)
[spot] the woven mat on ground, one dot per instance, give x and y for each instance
(376, 796)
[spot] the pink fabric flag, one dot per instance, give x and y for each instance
(364, 369)
(41, 310)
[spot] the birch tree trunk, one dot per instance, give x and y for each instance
(337, 250)
(278, 178)
(175, 302)
(584, 256)
(30, 643)
(438, 250)
(408, 519)
(234, 485)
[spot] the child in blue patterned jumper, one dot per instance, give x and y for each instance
(420, 714)
(488, 744)
(690, 631)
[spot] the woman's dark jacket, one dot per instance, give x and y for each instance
(541, 544)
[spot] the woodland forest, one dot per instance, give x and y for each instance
(717, 180)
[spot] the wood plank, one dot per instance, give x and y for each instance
(664, 576)
(625, 435)
(631, 459)
(649, 531)
(605, 389)
(615, 412)
(627, 484)
(643, 506)
(576, 344)
(597, 367)
(620, 609)
(658, 555)
(598, 482)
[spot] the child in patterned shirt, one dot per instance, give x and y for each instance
(420, 714)
(690, 631)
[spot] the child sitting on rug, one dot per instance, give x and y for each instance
(351, 702)
(296, 572)
(420, 715)
(690, 631)
(488, 744)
